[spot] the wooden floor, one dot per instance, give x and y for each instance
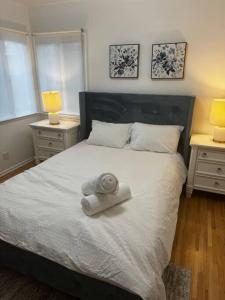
(199, 243)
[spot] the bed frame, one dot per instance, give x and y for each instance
(111, 107)
(144, 108)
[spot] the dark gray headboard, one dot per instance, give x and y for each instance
(129, 108)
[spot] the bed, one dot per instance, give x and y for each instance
(118, 254)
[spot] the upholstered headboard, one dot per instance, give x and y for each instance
(129, 108)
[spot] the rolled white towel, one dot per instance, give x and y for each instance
(94, 204)
(104, 184)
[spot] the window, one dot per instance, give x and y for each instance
(17, 96)
(60, 67)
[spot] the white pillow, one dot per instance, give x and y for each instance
(155, 138)
(109, 134)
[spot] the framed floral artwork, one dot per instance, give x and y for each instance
(168, 60)
(124, 61)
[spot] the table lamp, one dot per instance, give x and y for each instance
(53, 104)
(217, 118)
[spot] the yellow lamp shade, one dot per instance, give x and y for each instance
(52, 101)
(217, 116)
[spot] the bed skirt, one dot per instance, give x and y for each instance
(59, 277)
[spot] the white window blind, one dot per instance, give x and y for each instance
(60, 67)
(17, 96)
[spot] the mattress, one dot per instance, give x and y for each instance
(128, 245)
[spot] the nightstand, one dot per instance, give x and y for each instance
(52, 139)
(207, 165)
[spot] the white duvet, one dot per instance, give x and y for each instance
(128, 245)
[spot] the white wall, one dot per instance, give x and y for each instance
(16, 139)
(201, 23)
(15, 136)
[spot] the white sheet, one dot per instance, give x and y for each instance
(128, 245)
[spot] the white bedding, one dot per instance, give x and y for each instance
(128, 245)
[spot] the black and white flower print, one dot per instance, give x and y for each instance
(124, 61)
(168, 61)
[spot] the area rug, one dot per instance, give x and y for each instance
(177, 282)
(14, 286)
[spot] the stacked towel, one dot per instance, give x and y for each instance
(103, 192)
(104, 184)
(94, 204)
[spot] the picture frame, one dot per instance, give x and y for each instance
(124, 61)
(168, 60)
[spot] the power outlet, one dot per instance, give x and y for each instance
(5, 156)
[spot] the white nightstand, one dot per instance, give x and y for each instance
(52, 139)
(207, 165)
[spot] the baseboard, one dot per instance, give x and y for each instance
(16, 166)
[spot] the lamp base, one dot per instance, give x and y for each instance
(219, 134)
(53, 118)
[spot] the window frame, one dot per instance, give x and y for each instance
(33, 60)
(29, 45)
(84, 63)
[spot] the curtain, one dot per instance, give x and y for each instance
(17, 96)
(60, 67)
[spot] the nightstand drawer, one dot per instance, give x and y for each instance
(45, 154)
(210, 168)
(52, 144)
(209, 183)
(52, 134)
(211, 155)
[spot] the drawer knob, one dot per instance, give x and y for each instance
(59, 135)
(50, 144)
(216, 183)
(204, 154)
(219, 170)
(39, 132)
